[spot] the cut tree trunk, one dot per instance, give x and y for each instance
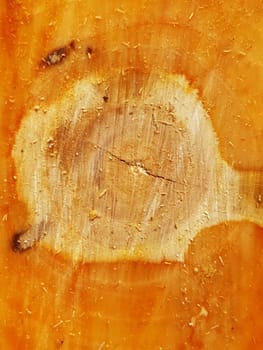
(130, 137)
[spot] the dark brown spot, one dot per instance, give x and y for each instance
(16, 245)
(89, 51)
(59, 343)
(72, 44)
(55, 57)
(25, 240)
(105, 98)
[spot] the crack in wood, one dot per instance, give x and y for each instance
(141, 166)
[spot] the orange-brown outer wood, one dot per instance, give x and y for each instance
(214, 298)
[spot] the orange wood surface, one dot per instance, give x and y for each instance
(212, 300)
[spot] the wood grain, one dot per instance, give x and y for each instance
(133, 178)
(189, 156)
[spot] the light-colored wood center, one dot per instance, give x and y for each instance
(126, 167)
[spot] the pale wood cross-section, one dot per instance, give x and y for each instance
(126, 168)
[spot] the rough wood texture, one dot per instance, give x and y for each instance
(131, 166)
(126, 167)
